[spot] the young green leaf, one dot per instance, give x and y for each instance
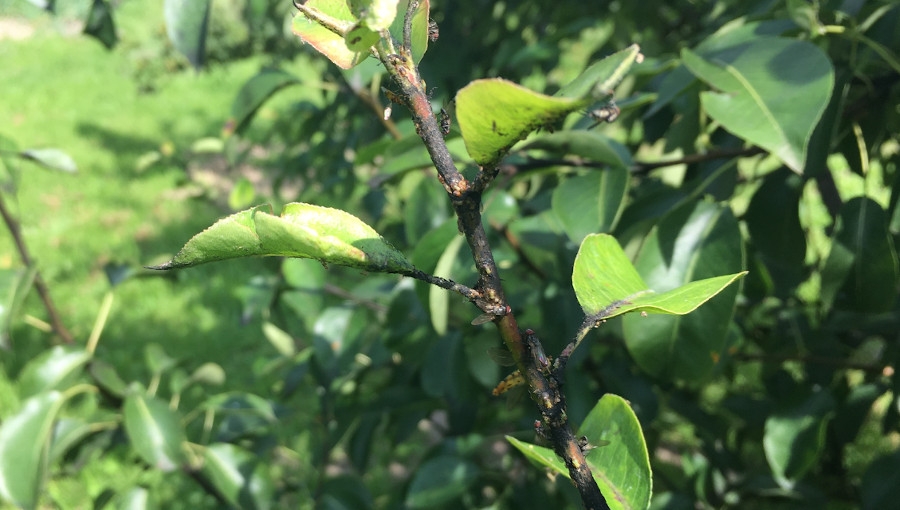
(607, 284)
(772, 92)
(494, 114)
(601, 77)
(418, 27)
(329, 41)
(682, 255)
(302, 230)
(621, 467)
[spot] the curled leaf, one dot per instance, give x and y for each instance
(302, 230)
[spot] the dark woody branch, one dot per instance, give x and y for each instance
(465, 197)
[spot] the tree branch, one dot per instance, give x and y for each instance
(465, 198)
(14, 229)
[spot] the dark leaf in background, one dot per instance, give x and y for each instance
(100, 24)
(697, 241)
(774, 224)
(440, 480)
(861, 271)
(881, 483)
(794, 437)
(255, 92)
(14, 287)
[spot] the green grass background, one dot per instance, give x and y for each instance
(64, 90)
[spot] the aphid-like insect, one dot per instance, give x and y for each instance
(585, 446)
(445, 122)
(483, 319)
(607, 113)
(432, 31)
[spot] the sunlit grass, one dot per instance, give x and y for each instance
(68, 92)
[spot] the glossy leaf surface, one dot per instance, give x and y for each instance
(607, 284)
(771, 92)
(155, 431)
(621, 467)
(24, 437)
(54, 369)
(692, 244)
(186, 22)
(53, 159)
(238, 475)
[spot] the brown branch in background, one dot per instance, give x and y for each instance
(56, 323)
(334, 290)
(372, 102)
(517, 247)
(872, 368)
(639, 167)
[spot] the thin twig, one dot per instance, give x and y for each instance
(15, 230)
(639, 167)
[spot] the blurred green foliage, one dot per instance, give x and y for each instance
(357, 401)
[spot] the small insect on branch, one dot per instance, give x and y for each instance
(606, 113)
(445, 122)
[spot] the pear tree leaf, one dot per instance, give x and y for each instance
(186, 23)
(620, 463)
(303, 230)
(770, 91)
(418, 27)
(608, 285)
(53, 159)
(155, 431)
(493, 114)
(601, 77)
(24, 440)
(330, 42)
